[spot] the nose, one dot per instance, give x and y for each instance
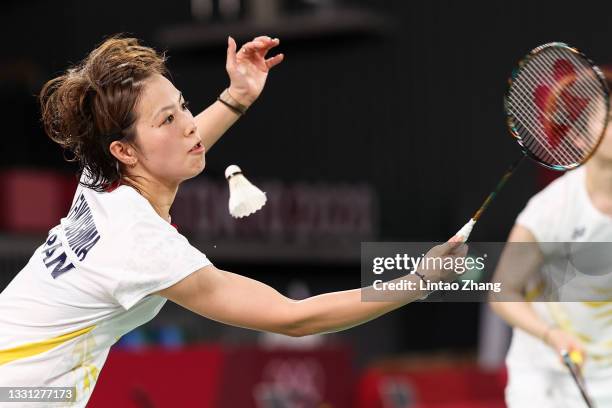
(191, 128)
(189, 123)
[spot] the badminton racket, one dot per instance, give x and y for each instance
(556, 105)
(577, 376)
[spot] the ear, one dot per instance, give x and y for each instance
(124, 152)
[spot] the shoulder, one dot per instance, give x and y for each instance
(560, 188)
(557, 194)
(120, 208)
(544, 210)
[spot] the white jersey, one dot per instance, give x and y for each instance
(90, 283)
(563, 213)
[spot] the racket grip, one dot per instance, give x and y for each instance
(576, 357)
(572, 357)
(464, 233)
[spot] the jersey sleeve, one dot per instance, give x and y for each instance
(155, 256)
(536, 217)
(542, 214)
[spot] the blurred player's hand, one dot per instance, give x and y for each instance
(248, 67)
(449, 251)
(560, 341)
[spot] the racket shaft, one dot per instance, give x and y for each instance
(578, 379)
(583, 392)
(498, 188)
(464, 233)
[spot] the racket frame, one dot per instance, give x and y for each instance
(512, 127)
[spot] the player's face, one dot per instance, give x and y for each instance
(167, 139)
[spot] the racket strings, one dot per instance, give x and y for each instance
(584, 87)
(564, 153)
(552, 104)
(567, 150)
(584, 84)
(539, 146)
(578, 88)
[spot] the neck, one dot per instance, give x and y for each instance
(159, 194)
(599, 178)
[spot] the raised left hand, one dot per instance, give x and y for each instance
(248, 68)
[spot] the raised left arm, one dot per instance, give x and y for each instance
(248, 70)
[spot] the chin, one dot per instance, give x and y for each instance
(191, 170)
(196, 171)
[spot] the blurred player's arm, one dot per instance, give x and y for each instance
(517, 264)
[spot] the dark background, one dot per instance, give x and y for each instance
(411, 106)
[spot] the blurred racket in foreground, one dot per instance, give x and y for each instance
(557, 107)
(574, 369)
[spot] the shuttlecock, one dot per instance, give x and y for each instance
(245, 198)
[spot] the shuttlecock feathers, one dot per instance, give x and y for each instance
(245, 198)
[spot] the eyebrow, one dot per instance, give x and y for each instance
(168, 107)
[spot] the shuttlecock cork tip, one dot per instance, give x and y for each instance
(232, 170)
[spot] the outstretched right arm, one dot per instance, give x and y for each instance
(240, 301)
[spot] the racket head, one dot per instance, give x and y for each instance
(557, 106)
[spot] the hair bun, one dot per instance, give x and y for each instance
(96, 98)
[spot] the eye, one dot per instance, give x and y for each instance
(185, 105)
(168, 120)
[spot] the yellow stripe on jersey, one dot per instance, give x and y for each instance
(595, 304)
(533, 293)
(583, 337)
(32, 349)
(601, 359)
(605, 313)
(602, 290)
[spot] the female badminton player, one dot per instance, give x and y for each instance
(113, 261)
(576, 207)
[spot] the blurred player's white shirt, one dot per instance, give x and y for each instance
(90, 283)
(563, 213)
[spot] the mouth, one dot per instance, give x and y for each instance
(197, 148)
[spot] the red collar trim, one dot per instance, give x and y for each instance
(112, 187)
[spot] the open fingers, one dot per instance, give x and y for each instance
(262, 38)
(266, 42)
(231, 52)
(261, 45)
(275, 60)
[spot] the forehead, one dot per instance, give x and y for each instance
(157, 92)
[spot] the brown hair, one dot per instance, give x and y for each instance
(92, 104)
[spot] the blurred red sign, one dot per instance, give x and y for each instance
(212, 376)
